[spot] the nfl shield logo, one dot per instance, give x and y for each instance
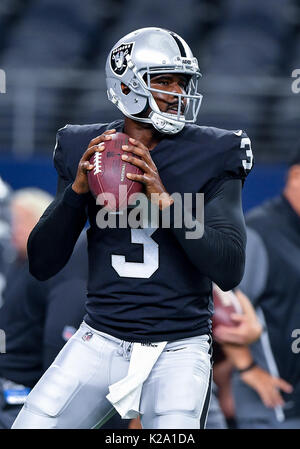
(87, 336)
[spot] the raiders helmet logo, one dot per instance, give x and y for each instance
(118, 60)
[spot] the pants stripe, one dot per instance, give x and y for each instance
(204, 413)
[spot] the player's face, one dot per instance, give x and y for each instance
(169, 82)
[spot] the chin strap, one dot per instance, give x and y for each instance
(163, 122)
(166, 124)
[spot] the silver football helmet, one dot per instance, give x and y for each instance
(139, 55)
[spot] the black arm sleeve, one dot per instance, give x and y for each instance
(220, 253)
(51, 242)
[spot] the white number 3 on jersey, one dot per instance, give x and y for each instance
(151, 254)
(247, 163)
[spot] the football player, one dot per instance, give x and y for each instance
(145, 344)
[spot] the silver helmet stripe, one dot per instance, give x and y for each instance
(179, 43)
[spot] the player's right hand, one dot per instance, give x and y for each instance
(81, 185)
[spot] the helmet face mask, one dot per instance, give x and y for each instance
(192, 98)
(135, 59)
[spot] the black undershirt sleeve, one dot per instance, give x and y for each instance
(52, 240)
(220, 253)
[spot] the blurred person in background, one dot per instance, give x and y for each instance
(37, 317)
(267, 387)
(5, 240)
(247, 330)
(19, 366)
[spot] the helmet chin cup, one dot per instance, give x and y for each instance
(165, 123)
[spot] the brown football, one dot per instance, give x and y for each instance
(108, 176)
(225, 303)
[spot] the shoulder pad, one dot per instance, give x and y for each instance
(229, 150)
(238, 160)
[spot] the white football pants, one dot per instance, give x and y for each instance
(72, 392)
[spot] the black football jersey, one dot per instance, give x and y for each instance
(142, 286)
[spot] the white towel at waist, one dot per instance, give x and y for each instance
(125, 394)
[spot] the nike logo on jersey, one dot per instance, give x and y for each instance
(153, 345)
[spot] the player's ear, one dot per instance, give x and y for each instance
(125, 89)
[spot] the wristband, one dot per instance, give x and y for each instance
(248, 368)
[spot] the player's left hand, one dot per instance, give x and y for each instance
(150, 178)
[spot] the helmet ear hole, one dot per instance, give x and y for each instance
(125, 89)
(144, 112)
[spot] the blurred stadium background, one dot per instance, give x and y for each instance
(54, 51)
